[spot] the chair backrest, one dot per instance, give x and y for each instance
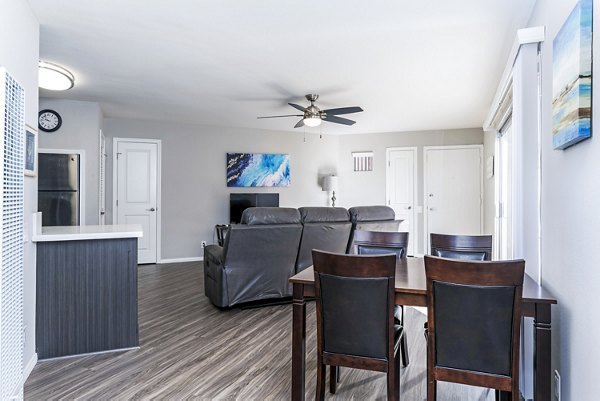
(323, 228)
(464, 247)
(355, 303)
(474, 319)
(260, 254)
(380, 243)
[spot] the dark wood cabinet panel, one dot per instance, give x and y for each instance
(86, 296)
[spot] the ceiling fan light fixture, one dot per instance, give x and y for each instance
(312, 121)
(54, 77)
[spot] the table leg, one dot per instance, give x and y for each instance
(542, 334)
(298, 342)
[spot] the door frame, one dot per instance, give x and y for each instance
(82, 187)
(115, 172)
(101, 188)
(414, 149)
(426, 198)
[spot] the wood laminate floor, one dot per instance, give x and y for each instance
(191, 349)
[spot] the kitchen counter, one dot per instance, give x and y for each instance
(86, 287)
(78, 233)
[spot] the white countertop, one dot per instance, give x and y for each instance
(75, 233)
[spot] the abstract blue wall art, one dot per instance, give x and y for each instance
(572, 78)
(258, 170)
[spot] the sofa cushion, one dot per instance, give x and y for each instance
(371, 213)
(270, 215)
(324, 214)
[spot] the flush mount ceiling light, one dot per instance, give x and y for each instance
(54, 77)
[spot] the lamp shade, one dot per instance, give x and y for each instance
(330, 183)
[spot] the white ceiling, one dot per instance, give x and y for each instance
(411, 65)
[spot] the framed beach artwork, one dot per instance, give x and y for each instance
(572, 78)
(31, 145)
(258, 170)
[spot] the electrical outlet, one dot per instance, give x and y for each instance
(203, 244)
(557, 385)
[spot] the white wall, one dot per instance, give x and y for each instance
(570, 223)
(194, 192)
(19, 53)
(368, 188)
(81, 123)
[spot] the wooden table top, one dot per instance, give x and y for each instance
(410, 279)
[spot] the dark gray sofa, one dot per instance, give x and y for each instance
(272, 244)
(325, 229)
(257, 259)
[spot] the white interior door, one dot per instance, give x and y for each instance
(137, 185)
(401, 190)
(453, 190)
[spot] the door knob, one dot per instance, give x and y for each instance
(151, 209)
(431, 209)
(431, 195)
(410, 207)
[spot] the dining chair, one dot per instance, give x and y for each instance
(379, 243)
(350, 331)
(474, 323)
(465, 247)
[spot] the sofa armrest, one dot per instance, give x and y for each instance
(214, 253)
(214, 276)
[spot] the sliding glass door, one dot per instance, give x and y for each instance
(504, 193)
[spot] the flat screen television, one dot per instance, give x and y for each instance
(240, 202)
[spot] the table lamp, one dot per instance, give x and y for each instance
(330, 183)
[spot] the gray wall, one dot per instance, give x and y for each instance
(81, 123)
(19, 53)
(570, 222)
(194, 192)
(368, 188)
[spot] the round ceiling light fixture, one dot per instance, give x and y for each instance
(54, 77)
(312, 121)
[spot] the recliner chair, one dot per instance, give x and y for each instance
(257, 259)
(324, 228)
(372, 218)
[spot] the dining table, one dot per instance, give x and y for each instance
(411, 290)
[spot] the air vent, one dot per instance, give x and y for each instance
(12, 110)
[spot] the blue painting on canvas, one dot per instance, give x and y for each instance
(572, 78)
(258, 170)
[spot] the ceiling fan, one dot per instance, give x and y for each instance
(313, 116)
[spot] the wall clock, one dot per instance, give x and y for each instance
(49, 120)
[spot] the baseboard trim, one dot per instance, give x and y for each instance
(56, 358)
(28, 368)
(181, 260)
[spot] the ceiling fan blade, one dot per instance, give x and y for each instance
(299, 124)
(285, 115)
(297, 106)
(338, 120)
(344, 110)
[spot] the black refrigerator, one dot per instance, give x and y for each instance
(58, 189)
